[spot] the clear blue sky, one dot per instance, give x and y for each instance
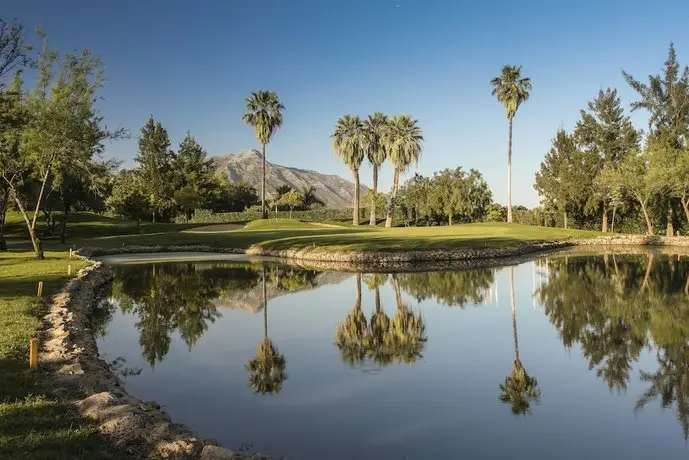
(191, 64)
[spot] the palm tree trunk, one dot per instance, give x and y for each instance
(509, 175)
(398, 291)
(264, 213)
(670, 229)
(355, 213)
(265, 305)
(564, 215)
(604, 226)
(372, 221)
(514, 315)
(377, 297)
(393, 198)
(358, 291)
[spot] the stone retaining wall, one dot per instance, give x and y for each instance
(70, 358)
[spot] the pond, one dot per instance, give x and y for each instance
(565, 356)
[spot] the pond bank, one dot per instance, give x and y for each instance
(70, 357)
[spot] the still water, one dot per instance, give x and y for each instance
(564, 357)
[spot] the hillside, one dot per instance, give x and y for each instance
(335, 191)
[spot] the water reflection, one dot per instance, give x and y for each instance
(615, 307)
(612, 307)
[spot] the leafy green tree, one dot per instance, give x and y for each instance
(64, 130)
(665, 98)
(376, 152)
(349, 140)
(403, 139)
(291, 200)
(155, 161)
(511, 90)
(14, 51)
(193, 175)
(606, 135)
(374, 200)
(560, 177)
(226, 196)
(495, 213)
(454, 289)
(632, 178)
(188, 199)
(264, 114)
(12, 163)
(129, 198)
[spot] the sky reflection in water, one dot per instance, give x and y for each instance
(563, 357)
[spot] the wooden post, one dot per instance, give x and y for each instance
(69, 270)
(40, 289)
(33, 353)
(70, 253)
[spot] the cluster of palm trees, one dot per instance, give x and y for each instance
(378, 138)
(381, 339)
(381, 137)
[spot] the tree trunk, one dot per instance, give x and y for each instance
(377, 298)
(685, 205)
(564, 215)
(264, 213)
(398, 291)
(358, 291)
(265, 304)
(35, 241)
(3, 216)
(393, 197)
(670, 229)
(614, 212)
(605, 217)
(290, 212)
(514, 314)
(63, 231)
(509, 175)
(44, 181)
(355, 211)
(372, 221)
(647, 276)
(449, 218)
(649, 225)
(154, 216)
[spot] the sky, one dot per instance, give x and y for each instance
(192, 64)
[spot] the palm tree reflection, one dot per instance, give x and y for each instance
(267, 369)
(519, 388)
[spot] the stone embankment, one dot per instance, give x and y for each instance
(70, 360)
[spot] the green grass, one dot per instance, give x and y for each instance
(33, 425)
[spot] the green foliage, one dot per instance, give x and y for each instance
(310, 199)
(519, 390)
(155, 161)
(290, 200)
(267, 369)
(14, 51)
(511, 89)
(313, 215)
(264, 114)
(188, 199)
(129, 197)
(226, 196)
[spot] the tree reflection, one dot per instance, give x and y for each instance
(449, 288)
(615, 306)
(519, 389)
(381, 340)
(267, 369)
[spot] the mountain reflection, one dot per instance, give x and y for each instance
(614, 307)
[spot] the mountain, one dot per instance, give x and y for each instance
(335, 191)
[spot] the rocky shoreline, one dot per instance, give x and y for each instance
(70, 355)
(69, 358)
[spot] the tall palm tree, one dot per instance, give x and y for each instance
(376, 153)
(403, 139)
(511, 89)
(309, 197)
(267, 369)
(264, 114)
(519, 388)
(349, 139)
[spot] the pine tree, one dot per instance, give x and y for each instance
(155, 165)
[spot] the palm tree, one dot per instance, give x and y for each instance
(376, 153)
(403, 139)
(264, 114)
(349, 139)
(519, 388)
(511, 90)
(267, 369)
(310, 198)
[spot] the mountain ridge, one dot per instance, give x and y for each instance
(334, 190)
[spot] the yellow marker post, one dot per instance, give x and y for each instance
(69, 270)
(33, 353)
(70, 253)
(40, 289)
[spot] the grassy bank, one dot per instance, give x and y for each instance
(34, 425)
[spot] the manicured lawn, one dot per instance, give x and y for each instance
(34, 425)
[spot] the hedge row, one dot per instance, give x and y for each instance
(313, 215)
